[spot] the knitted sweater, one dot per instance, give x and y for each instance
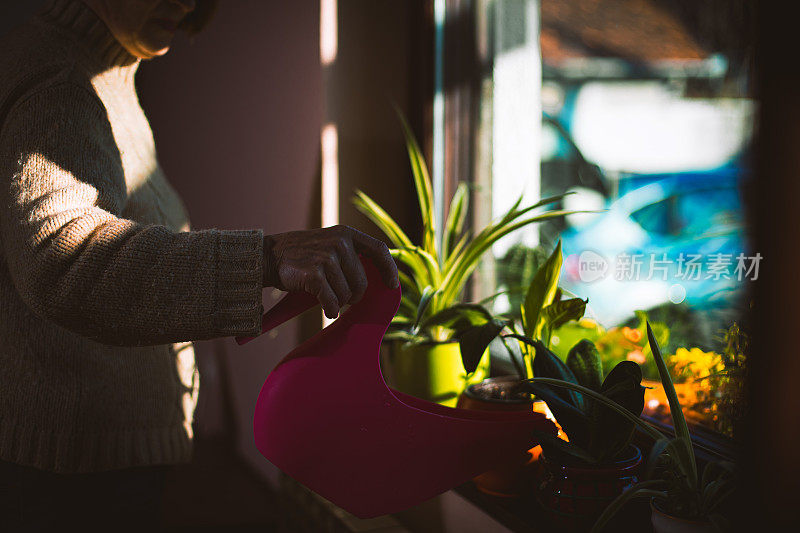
(99, 275)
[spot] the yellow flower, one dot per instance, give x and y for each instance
(695, 363)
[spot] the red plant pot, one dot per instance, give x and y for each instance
(518, 475)
(576, 494)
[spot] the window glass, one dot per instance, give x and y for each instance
(641, 110)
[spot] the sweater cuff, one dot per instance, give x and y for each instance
(239, 274)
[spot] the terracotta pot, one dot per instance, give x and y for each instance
(666, 523)
(498, 394)
(576, 494)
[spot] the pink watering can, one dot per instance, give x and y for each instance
(326, 417)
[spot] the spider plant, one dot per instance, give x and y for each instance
(671, 476)
(434, 272)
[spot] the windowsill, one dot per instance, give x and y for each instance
(526, 515)
(451, 512)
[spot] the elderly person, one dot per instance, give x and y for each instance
(99, 274)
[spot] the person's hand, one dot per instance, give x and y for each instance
(324, 262)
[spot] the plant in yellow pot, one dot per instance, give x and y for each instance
(427, 361)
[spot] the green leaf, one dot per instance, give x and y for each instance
(422, 183)
(546, 364)
(515, 354)
(475, 340)
(584, 361)
(652, 458)
(560, 312)
(721, 493)
(424, 302)
(643, 489)
(465, 263)
(400, 335)
(611, 433)
(573, 421)
(458, 317)
(427, 261)
(647, 428)
(456, 216)
(678, 420)
(408, 284)
(554, 448)
(541, 292)
(412, 260)
(381, 218)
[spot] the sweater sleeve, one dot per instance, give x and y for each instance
(77, 262)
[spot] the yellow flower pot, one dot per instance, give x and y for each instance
(434, 371)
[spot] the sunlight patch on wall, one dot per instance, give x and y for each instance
(328, 32)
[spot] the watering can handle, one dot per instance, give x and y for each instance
(287, 308)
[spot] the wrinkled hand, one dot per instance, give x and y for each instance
(324, 262)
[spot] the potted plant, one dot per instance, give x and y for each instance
(433, 274)
(583, 475)
(542, 310)
(682, 499)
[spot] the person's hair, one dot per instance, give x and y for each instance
(199, 18)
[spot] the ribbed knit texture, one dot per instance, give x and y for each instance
(99, 275)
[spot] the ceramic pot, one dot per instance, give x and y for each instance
(434, 371)
(498, 394)
(576, 493)
(666, 523)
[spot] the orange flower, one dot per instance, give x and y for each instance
(636, 356)
(633, 335)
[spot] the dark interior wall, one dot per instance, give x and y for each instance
(236, 117)
(381, 61)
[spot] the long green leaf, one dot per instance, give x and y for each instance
(678, 420)
(552, 443)
(467, 261)
(430, 263)
(546, 364)
(516, 357)
(413, 261)
(424, 302)
(676, 451)
(455, 253)
(382, 219)
(541, 292)
(647, 428)
(456, 216)
(573, 421)
(450, 317)
(652, 458)
(642, 489)
(422, 183)
(410, 288)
